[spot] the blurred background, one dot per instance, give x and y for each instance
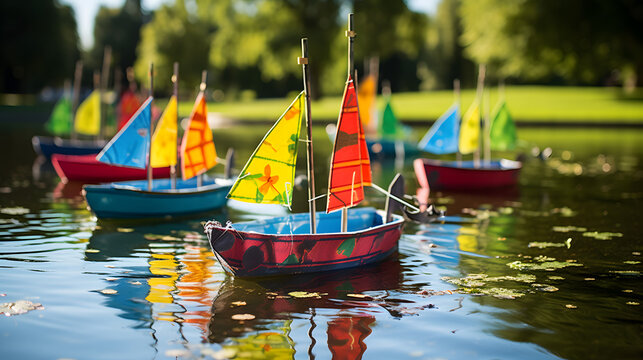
(250, 47)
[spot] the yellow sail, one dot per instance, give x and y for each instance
(366, 100)
(269, 175)
(198, 153)
(470, 129)
(87, 119)
(163, 152)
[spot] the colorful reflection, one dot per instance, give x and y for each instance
(346, 336)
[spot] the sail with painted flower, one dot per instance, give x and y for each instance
(269, 174)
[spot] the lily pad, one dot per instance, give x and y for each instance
(19, 307)
(304, 294)
(17, 210)
(602, 235)
(547, 265)
(542, 245)
(242, 317)
(566, 229)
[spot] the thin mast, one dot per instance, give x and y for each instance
(100, 101)
(202, 87)
(456, 93)
(350, 34)
(149, 149)
(175, 81)
(107, 60)
(310, 169)
(78, 74)
(481, 73)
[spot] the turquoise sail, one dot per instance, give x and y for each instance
(131, 145)
(442, 137)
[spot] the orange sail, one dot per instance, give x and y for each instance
(197, 148)
(350, 166)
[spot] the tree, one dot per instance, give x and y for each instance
(174, 34)
(580, 41)
(39, 45)
(120, 29)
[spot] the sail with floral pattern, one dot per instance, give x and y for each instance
(269, 175)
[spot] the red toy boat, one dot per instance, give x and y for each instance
(464, 175)
(89, 170)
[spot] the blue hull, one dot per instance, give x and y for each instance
(131, 199)
(47, 146)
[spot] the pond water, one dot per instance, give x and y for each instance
(550, 269)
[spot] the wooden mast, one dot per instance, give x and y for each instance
(310, 168)
(78, 74)
(107, 60)
(350, 34)
(456, 93)
(175, 82)
(149, 148)
(481, 74)
(202, 87)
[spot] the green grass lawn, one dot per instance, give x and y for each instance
(528, 104)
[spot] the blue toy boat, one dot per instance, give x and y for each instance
(132, 199)
(134, 147)
(47, 146)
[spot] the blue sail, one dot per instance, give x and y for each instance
(131, 145)
(442, 137)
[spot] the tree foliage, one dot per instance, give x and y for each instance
(579, 41)
(175, 34)
(39, 44)
(120, 29)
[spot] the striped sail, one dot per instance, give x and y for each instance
(350, 166)
(269, 175)
(198, 153)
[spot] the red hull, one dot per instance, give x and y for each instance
(88, 169)
(255, 254)
(463, 175)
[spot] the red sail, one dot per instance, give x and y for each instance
(350, 167)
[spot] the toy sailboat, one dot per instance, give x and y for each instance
(309, 242)
(446, 136)
(133, 146)
(66, 120)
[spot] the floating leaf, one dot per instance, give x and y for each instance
(242, 317)
(632, 303)
(602, 235)
(630, 262)
(554, 277)
(544, 287)
(108, 291)
(628, 291)
(543, 258)
(17, 210)
(19, 307)
(136, 283)
(238, 303)
(589, 279)
(92, 250)
(548, 265)
(125, 230)
(570, 306)
(304, 294)
(566, 229)
(542, 245)
(359, 296)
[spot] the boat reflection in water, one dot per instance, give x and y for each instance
(261, 317)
